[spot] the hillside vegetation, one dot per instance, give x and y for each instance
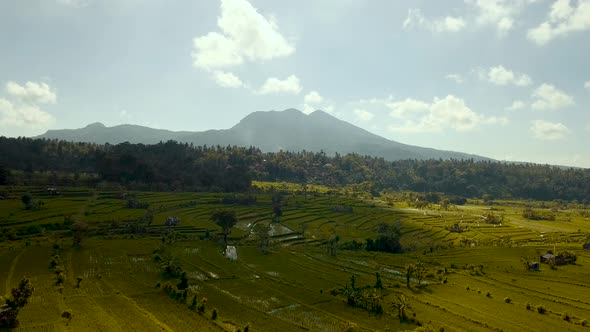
(183, 167)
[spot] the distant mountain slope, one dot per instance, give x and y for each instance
(99, 133)
(270, 131)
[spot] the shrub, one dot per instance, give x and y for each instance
(541, 309)
(566, 317)
(61, 277)
(507, 300)
(488, 294)
(528, 306)
(583, 322)
(67, 314)
(531, 214)
(201, 307)
(214, 314)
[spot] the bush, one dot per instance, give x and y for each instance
(507, 300)
(201, 307)
(566, 317)
(133, 203)
(541, 309)
(239, 199)
(67, 314)
(214, 314)
(61, 277)
(488, 294)
(565, 257)
(531, 214)
(528, 306)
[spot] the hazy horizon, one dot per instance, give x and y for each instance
(503, 79)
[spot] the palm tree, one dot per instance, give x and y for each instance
(402, 304)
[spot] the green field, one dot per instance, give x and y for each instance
(470, 273)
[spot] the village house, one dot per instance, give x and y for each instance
(172, 221)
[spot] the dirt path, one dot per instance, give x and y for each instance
(11, 272)
(148, 315)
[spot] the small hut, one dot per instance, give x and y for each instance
(172, 221)
(547, 258)
(534, 266)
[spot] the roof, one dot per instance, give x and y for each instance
(548, 256)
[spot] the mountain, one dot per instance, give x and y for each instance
(270, 131)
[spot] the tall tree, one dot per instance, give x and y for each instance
(3, 174)
(402, 303)
(20, 298)
(261, 231)
(226, 219)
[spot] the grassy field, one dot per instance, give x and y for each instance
(471, 274)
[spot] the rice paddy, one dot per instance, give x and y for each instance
(470, 273)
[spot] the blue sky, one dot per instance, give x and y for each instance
(505, 79)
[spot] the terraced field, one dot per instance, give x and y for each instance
(289, 288)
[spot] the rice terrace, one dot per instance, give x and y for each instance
(148, 261)
(320, 165)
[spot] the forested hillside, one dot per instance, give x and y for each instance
(176, 166)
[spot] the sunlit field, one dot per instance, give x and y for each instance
(474, 277)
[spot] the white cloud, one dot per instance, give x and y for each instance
(23, 115)
(290, 85)
(363, 115)
(227, 79)
(563, 19)
(549, 97)
(32, 92)
(499, 75)
(20, 114)
(492, 120)
(455, 77)
(407, 106)
(450, 112)
(74, 3)
(245, 35)
(545, 130)
(373, 101)
(313, 97)
(501, 14)
(308, 109)
(313, 101)
(516, 105)
(415, 18)
(125, 116)
(587, 85)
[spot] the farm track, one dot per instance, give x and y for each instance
(551, 297)
(7, 287)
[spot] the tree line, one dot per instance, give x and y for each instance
(182, 166)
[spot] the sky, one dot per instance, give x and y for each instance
(507, 79)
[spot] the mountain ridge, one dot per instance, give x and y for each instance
(271, 131)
